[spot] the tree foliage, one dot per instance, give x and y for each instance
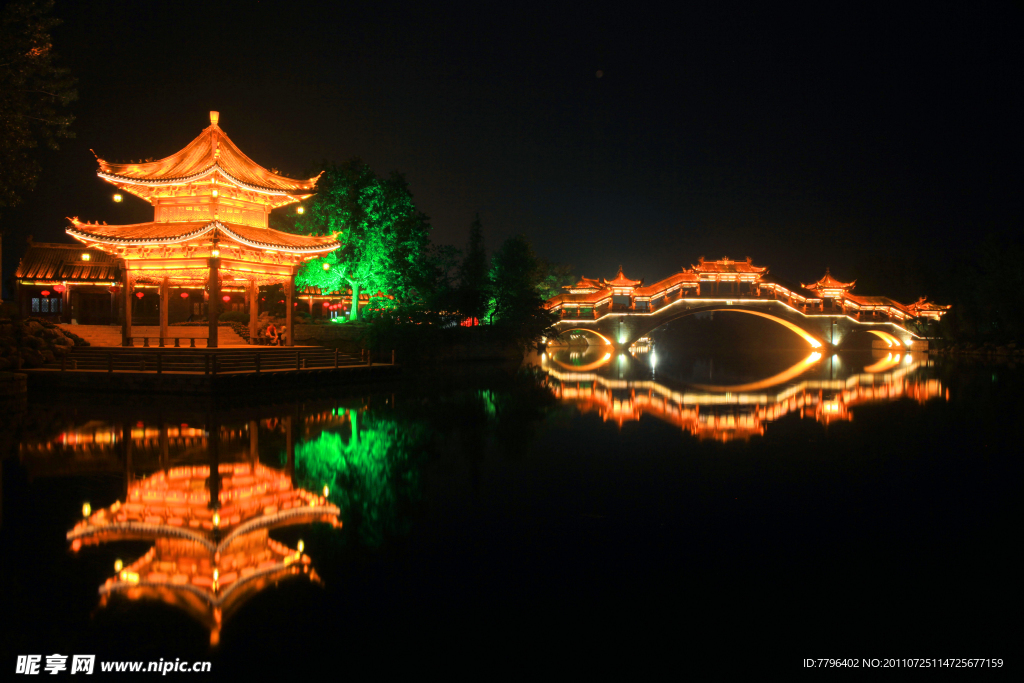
(474, 279)
(34, 93)
(516, 303)
(384, 237)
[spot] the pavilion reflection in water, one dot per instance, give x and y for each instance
(738, 412)
(209, 523)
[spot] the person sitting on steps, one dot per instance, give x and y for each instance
(273, 338)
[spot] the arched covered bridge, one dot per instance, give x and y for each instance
(823, 313)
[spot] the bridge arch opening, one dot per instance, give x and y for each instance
(871, 339)
(579, 336)
(813, 341)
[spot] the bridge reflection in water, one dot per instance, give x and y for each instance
(595, 381)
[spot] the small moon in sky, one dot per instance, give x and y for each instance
(600, 73)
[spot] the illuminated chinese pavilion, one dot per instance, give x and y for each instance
(210, 226)
(210, 530)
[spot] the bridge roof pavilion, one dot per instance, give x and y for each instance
(584, 285)
(622, 282)
(829, 286)
(746, 270)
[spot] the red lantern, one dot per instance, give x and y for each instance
(45, 292)
(59, 288)
(138, 295)
(114, 289)
(225, 298)
(184, 295)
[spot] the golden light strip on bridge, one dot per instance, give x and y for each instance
(887, 338)
(741, 302)
(785, 323)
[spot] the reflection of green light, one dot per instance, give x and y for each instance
(368, 474)
(488, 398)
(622, 358)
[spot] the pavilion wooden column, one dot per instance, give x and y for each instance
(213, 309)
(289, 315)
(254, 310)
(126, 321)
(65, 306)
(164, 299)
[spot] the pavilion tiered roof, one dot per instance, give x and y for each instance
(154, 233)
(212, 152)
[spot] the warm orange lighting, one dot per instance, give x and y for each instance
(118, 197)
(86, 256)
(118, 565)
(301, 546)
(86, 509)
(327, 490)
(215, 193)
(215, 253)
(301, 209)
(327, 266)
(216, 519)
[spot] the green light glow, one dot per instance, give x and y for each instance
(368, 471)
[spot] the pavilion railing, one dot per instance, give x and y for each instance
(221, 362)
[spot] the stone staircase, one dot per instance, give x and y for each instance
(110, 335)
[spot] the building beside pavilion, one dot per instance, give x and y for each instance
(65, 283)
(210, 238)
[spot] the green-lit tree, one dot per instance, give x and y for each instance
(516, 304)
(34, 92)
(553, 277)
(384, 238)
(474, 280)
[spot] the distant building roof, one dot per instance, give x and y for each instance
(53, 261)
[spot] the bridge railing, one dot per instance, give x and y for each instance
(820, 306)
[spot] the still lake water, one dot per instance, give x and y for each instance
(739, 508)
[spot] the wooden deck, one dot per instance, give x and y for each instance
(204, 371)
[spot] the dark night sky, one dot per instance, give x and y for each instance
(845, 137)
